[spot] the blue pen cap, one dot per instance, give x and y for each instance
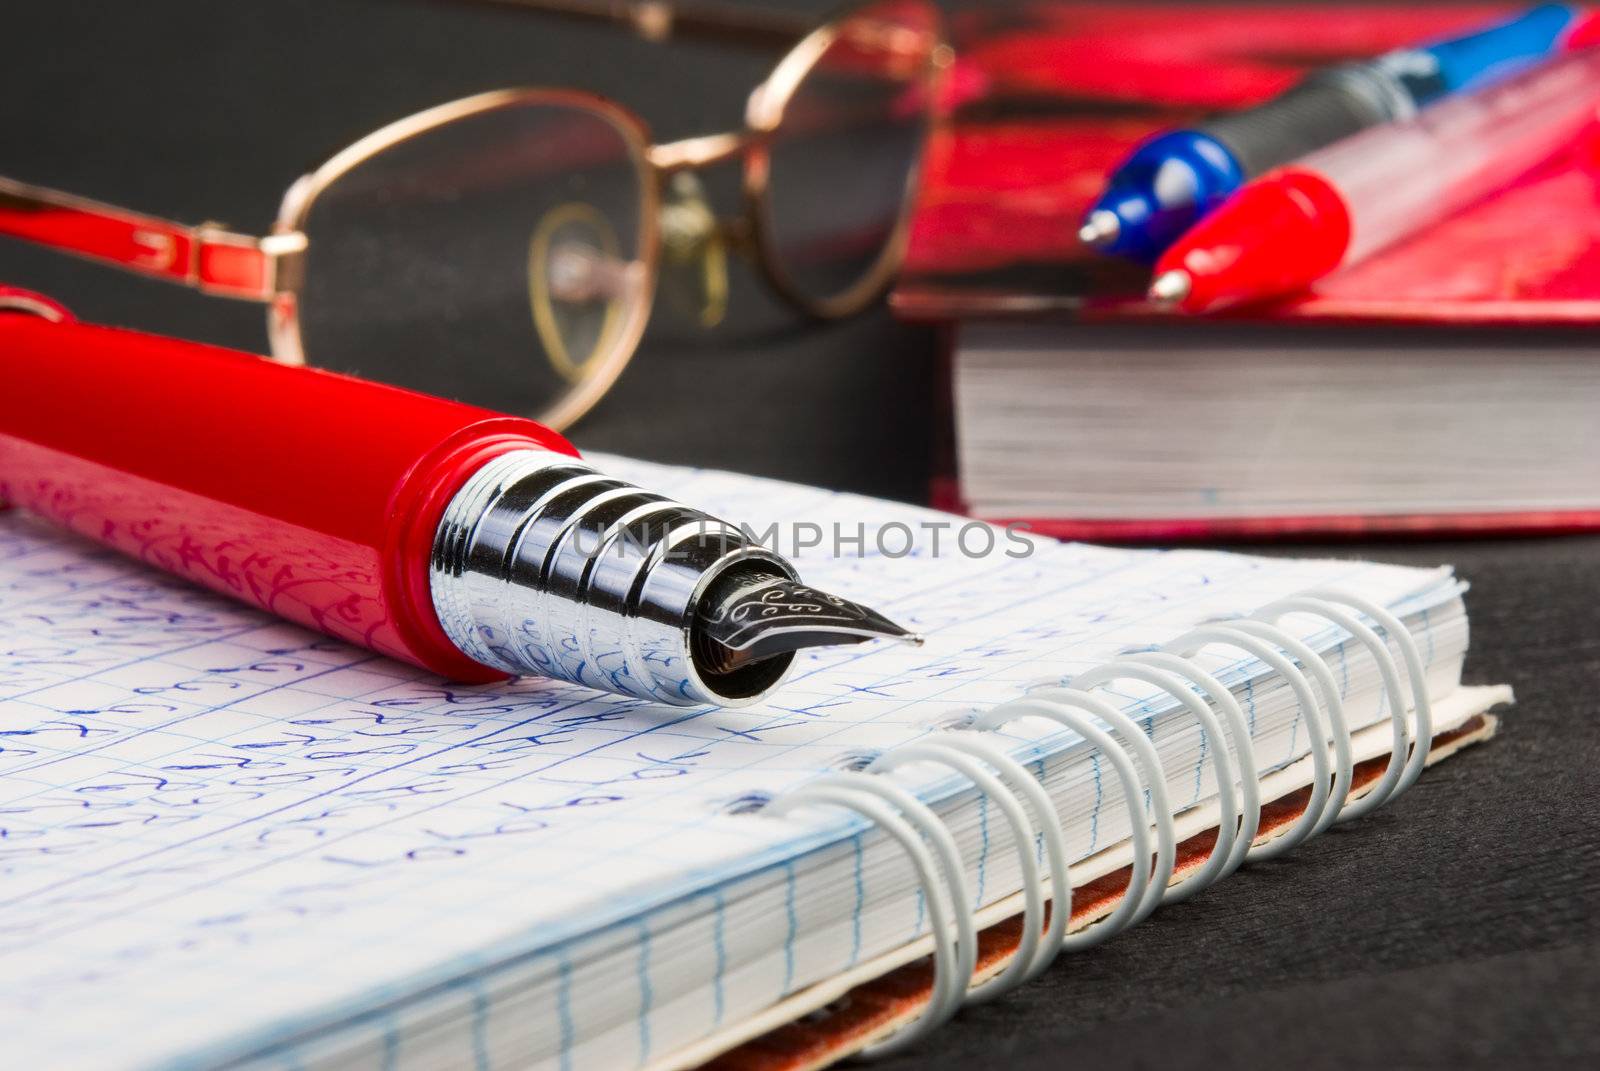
(1162, 188)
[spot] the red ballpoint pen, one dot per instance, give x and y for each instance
(475, 545)
(1289, 228)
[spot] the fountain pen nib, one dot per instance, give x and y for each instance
(750, 616)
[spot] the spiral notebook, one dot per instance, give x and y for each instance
(229, 843)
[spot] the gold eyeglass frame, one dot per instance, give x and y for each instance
(215, 260)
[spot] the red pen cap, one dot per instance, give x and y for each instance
(1277, 235)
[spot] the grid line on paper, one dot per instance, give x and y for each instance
(1099, 798)
(719, 945)
(983, 849)
(480, 1026)
(861, 900)
(569, 1034)
(390, 1058)
(792, 924)
(646, 991)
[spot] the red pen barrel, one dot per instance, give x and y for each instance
(313, 496)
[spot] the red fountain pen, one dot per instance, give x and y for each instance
(475, 545)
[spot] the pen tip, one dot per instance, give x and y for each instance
(760, 615)
(1100, 229)
(1170, 288)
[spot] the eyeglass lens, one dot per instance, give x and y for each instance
(852, 134)
(496, 258)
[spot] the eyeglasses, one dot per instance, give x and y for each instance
(505, 249)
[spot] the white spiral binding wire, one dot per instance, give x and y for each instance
(1333, 704)
(1065, 707)
(906, 819)
(1191, 643)
(1033, 818)
(1232, 842)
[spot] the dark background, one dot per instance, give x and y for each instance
(1458, 926)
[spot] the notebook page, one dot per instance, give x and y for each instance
(214, 826)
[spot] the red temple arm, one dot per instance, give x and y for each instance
(206, 257)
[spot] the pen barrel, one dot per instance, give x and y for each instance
(1399, 178)
(313, 496)
(1338, 102)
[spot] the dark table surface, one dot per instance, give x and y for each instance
(1460, 925)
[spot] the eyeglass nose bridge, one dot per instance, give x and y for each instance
(695, 244)
(692, 154)
(674, 162)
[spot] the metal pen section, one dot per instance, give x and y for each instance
(544, 566)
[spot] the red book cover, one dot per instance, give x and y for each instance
(1049, 96)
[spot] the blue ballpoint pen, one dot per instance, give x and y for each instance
(1175, 178)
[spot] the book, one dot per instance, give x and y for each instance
(1162, 432)
(1051, 96)
(229, 842)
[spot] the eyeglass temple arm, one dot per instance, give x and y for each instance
(658, 20)
(208, 257)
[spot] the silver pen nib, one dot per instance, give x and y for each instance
(750, 616)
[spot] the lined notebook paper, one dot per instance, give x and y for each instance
(224, 839)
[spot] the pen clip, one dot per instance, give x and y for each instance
(15, 299)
